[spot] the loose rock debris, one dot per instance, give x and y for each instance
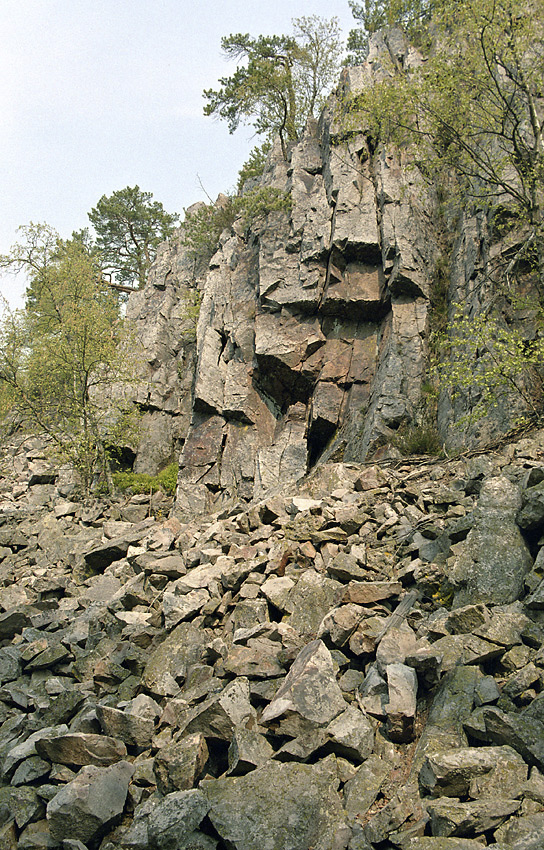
(355, 664)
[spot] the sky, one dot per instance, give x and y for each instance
(96, 95)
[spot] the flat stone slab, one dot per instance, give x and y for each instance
(81, 748)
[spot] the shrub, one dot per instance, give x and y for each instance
(140, 482)
(419, 440)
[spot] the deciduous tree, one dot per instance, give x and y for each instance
(474, 109)
(60, 351)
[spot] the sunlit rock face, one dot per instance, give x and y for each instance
(311, 340)
(315, 323)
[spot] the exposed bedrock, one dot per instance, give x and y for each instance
(311, 339)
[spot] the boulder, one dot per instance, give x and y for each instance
(285, 806)
(481, 573)
(89, 804)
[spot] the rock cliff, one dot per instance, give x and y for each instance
(313, 337)
(319, 645)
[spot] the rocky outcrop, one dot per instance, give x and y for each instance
(312, 334)
(162, 343)
(326, 667)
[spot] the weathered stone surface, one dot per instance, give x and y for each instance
(132, 729)
(259, 659)
(361, 791)
(481, 573)
(218, 716)
(90, 803)
(285, 806)
(81, 748)
(173, 823)
(351, 735)
(309, 689)
(450, 708)
(22, 804)
(170, 662)
(312, 597)
(530, 516)
(523, 832)
(451, 817)
(401, 707)
(524, 734)
(367, 592)
(248, 750)
(179, 766)
(451, 773)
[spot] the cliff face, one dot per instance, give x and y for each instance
(163, 335)
(312, 331)
(312, 341)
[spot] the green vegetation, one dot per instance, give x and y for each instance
(60, 355)
(139, 482)
(485, 360)
(471, 111)
(203, 227)
(282, 79)
(254, 166)
(129, 226)
(471, 116)
(372, 15)
(419, 440)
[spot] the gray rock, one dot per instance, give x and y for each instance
(132, 729)
(530, 516)
(522, 833)
(312, 597)
(401, 707)
(218, 716)
(451, 817)
(169, 663)
(361, 791)
(248, 750)
(90, 803)
(450, 708)
(23, 804)
(524, 734)
(179, 766)
(481, 573)
(351, 735)
(173, 823)
(285, 806)
(451, 773)
(80, 748)
(309, 689)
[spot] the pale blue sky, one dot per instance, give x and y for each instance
(96, 95)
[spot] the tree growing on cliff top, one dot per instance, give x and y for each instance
(58, 353)
(372, 15)
(129, 226)
(281, 80)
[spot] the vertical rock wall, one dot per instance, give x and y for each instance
(164, 339)
(313, 331)
(311, 340)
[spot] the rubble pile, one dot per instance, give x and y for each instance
(355, 663)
